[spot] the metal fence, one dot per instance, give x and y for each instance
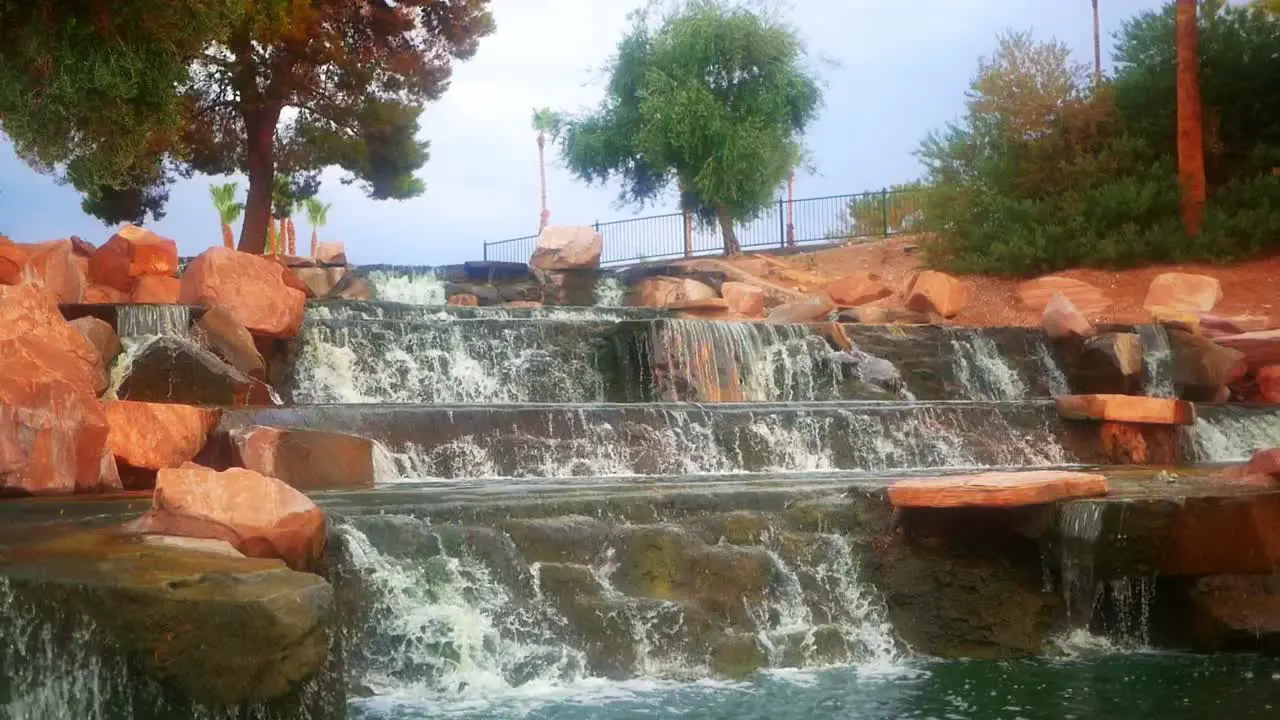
(831, 219)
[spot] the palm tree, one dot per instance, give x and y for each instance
(317, 215)
(224, 200)
(546, 122)
(1097, 44)
(1190, 119)
(283, 202)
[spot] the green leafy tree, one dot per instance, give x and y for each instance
(715, 98)
(547, 123)
(317, 216)
(229, 209)
(286, 86)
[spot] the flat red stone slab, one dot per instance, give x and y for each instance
(1126, 408)
(997, 489)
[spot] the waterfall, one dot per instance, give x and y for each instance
(477, 361)
(1157, 361)
(144, 320)
(1055, 378)
(611, 292)
(734, 361)
(982, 370)
(475, 618)
(1231, 434)
(416, 287)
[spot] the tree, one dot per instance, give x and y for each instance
(318, 216)
(229, 209)
(280, 85)
(1097, 43)
(1190, 119)
(547, 123)
(715, 98)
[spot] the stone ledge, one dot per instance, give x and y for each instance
(1126, 408)
(997, 489)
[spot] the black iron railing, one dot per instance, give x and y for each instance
(831, 219)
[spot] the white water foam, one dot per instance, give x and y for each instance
(1234, 437)
(981, 368)
(416, 288)
(759, 362)
(611, 292)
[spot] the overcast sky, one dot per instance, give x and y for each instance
(893, 70)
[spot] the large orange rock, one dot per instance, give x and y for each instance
(153, 436)
(228, 339)
(53, 435)
(103, 295)
(1217, 325)
(996, 489)
(857, 289)
(745, 300)
(101, 334)
(1236, 613)
(463, 300)
(1036, 294)
(1126, 408)
(130, 254)
(306, 459)
(331, 253)
(809, 309)
(663, 291)
(12, 261)
(568, 247)
(157, 289)
(1183, 292)
(1269, 384)
(1259, 348)
(55, 266)
(1061, 319)
(936, 292)
(29, 316)
(258, 515)
(1201, 366)
(1231, 534)
(1126, 443)
(251, 288)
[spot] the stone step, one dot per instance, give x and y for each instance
(997, 489)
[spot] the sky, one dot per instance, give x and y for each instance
(892, 71)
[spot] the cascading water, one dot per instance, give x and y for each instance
(1157, 361)
(394, 361)
(611, 292)
(1226, 434)
(982, 370)
(412, 287)
(151, 320)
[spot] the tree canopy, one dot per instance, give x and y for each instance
(713, 97)
(121, 96)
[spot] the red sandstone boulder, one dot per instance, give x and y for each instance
(130, 254)
(935, 292)
(1237, 533)
(103, 295)
(55, 267)
(1269, 384)
(463, 300)
(157, 289)
(996, 489)
(218, 330)
(251, 288)
(663, 291)
(331, 253)
(1061, 319)
(1201, 366)
(1217, 325)
(82, 248)
(745, 300)
(258, 515)
(523, 304)
(320, 281)
(709, 309)
(101, 334)
(1263, 468)
(1127, 443)
(568, 247)
(29, 317)
(857, 289)
(1236, 612)
(1126, 408)
(814, 307)
(1259, 348)
(153, 436)
(1036, 294)
(12, 261)
(306, 459)
(1183, 292)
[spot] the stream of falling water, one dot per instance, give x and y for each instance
(1224, 434)
(1157, 361)
(421, 287)
(982, 369)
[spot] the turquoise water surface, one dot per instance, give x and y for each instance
(1114, 687)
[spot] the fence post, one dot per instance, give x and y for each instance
(486, 252)
(782, 223)
(884, 205)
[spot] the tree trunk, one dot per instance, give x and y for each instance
(1097, 44)
(731, 246)
(1190, 120)
(228, 237)
(261, 130)
(315, 242)
(270, 247)
(544, 218)
(292, 249)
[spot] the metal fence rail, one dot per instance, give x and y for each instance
(835, 218)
